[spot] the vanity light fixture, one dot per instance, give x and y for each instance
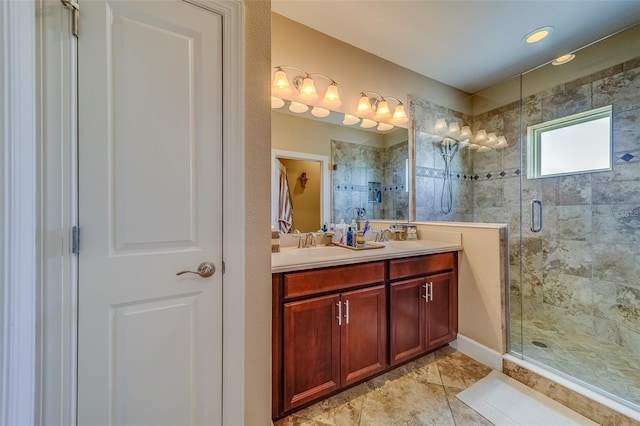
(538, 34)
(373, 108)
(383, 127)
(276, 102)
(350, 119)
(561, 60)
(366, 123)
(305, 86)
(298, 107)
(320, 112)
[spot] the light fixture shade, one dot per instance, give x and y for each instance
(382, 111)
(366, 123)
(492, 139)
(481, 136)
(364, 106)
(383, 127)
(298, 107)
(320, 112)
(350, 119)
(436, 139)
(331, 97)
(473, 146)
(502, 143)
(484, 149)
(276, 102)
(280, 85)
(308, 90)
(440, 127)
(399, 115)
(465, 133)
(454, 130)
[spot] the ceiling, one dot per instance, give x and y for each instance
(467, 44)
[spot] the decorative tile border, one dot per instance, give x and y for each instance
(438, 173)
(627, 157)
(365, 188)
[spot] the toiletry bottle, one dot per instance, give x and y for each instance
(354, 225)
(350, 241)
(341, 231)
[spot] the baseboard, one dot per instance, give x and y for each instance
(478, 351)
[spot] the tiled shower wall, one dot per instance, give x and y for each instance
(429, 166)
(581, 272)
(355, 166)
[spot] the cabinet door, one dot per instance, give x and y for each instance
(407, 310)
(311, 349)
(363, 333)
(442, 310)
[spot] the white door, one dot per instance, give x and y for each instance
(150, 206)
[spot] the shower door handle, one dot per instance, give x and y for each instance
(535, 203)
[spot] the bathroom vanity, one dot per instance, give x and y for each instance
(342, 316)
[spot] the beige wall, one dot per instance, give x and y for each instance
(305, 201)
(257, 302)
(353, 69)
(292, 133)
(481, 282)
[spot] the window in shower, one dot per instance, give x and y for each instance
(578, 143)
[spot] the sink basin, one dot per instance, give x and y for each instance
(321, 252)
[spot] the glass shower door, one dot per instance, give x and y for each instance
(580, 232)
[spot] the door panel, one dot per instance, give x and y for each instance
(311, 349)
(150, 120)
(407, 322)
(363, 333)
(441, 311)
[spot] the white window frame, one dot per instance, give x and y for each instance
(534, 140)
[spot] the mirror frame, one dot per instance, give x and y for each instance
(325, 188)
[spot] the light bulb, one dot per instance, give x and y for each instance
(280, 85)
(399, 116)
(297, 107)
(308, 90)
(320, 112)
(276, 102)
(364, 106)
(382, 111)
(350, 119)
(441, 126)
(331, 97)
(366, 123)
(383, 127)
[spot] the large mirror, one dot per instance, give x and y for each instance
(324, 172)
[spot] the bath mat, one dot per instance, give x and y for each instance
(505, 401)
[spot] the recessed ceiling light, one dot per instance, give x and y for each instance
(537, 35)
(560, 60)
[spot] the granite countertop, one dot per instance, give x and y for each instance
(295, 259)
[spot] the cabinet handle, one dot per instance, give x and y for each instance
(339, 313)
(431, 291)
(346, 308)
(426, 292)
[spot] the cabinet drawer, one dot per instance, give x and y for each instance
(422, 265)
(298, 284)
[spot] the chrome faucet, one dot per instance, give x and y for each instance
(309, 240)
(384, 235)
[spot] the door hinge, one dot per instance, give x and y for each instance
(75, 14)
(75, 240)
(223, 267)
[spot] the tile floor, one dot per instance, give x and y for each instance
(422, 392)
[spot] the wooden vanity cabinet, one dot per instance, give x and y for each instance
(337, 326)
(423, 305)
(329, 341)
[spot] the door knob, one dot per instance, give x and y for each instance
(205, 269)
